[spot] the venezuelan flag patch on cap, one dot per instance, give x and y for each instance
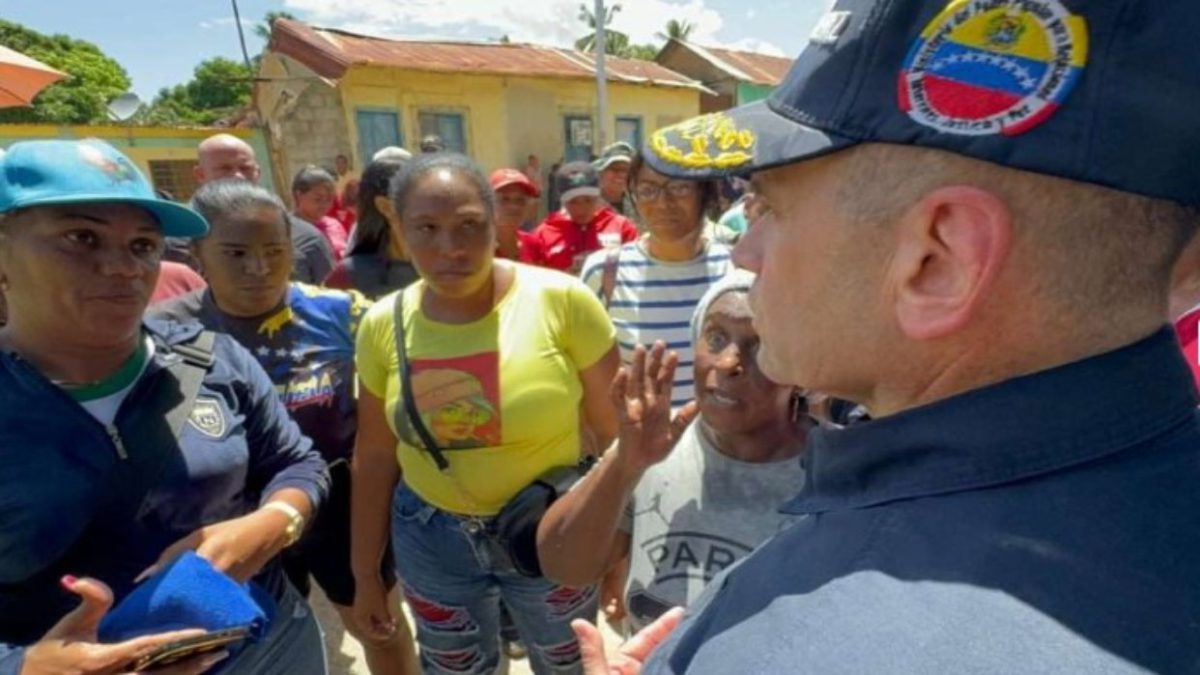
(988, 67)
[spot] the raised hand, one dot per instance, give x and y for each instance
(632, 655)
(641, 393)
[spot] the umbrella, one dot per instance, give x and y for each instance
(21, 78)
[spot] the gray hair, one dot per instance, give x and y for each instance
(310, 177)
(423, 165)
(220, 199)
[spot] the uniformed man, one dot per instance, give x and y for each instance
(969, 215)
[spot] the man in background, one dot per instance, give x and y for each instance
(613, 166)
(432, 144)
(227, 156)
(586, 223)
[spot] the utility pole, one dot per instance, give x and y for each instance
(237, 21)
(601, 78)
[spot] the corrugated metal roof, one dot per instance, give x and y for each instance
(330, 53)
(761, 68)
(746, 66)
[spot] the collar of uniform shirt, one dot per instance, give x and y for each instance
(1011, 431)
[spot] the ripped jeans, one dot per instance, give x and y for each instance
(454, 585)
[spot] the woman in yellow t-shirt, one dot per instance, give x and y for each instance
(510, 367)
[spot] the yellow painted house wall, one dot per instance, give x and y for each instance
(506, 118)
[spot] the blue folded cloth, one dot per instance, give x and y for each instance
(189, 593)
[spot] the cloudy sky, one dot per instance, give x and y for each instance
(160, 41)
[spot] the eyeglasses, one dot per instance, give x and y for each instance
(676, 189)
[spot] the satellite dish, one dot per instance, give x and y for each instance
(124, 106)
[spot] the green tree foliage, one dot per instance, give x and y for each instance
(642, 52)
(617, 43)
(676, 30)
(80, 99)
(219, 87)
(263, 30)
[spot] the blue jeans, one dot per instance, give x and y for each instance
(453, 582)
(293, 645)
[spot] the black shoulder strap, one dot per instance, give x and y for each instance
(151, 436)
(197, 358)
(608, 281)
(409, 407)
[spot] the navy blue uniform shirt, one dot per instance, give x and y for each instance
(238, 447)
(1047, 524)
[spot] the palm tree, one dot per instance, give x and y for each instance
(676, 30)
(263, 30)
(615, 42)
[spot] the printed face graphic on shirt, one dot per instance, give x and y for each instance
(459, 399)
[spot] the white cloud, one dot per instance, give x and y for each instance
(554, 22)
(755, 45)
(223, 22)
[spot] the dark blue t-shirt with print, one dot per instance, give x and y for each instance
(307, 348)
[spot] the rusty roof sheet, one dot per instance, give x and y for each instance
(746, 66)
(330, 53)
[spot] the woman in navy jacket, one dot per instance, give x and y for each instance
(91, 485)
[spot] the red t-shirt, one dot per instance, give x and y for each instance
(561, 244)
(176, 279)
(1187, 329)
(335, 233)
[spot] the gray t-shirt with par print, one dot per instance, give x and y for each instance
(695, 514)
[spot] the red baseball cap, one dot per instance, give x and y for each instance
(502, 178)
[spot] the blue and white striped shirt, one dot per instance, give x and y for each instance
(654, 300)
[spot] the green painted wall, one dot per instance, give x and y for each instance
(749, 93)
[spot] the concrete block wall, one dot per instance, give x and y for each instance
(315, 132)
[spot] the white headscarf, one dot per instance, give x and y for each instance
(738, 280)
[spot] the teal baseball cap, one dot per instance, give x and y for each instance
(54, 173)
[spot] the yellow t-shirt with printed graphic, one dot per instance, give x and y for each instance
(501, 395)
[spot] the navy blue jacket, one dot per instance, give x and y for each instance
(239, 447)
(1048, 524)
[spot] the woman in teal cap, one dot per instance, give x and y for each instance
(127, 442)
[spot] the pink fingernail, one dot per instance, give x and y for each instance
(68, 582)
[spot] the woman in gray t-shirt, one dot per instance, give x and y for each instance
(685, 499)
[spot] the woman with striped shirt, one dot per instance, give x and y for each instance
(652, 286)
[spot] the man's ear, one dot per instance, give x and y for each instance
(949, 251)
(198, 174)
